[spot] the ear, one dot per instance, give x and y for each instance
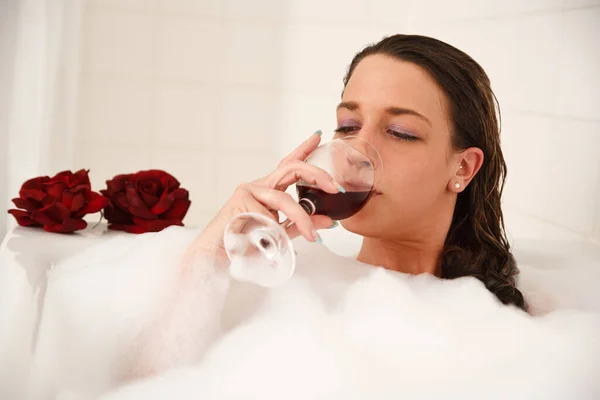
(467, 164)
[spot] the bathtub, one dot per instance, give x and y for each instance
(560, 274)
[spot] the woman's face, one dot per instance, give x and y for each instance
(399, 108)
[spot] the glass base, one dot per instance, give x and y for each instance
(260, 250)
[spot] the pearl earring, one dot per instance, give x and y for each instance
(457, 185)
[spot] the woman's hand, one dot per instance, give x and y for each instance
(267, 196)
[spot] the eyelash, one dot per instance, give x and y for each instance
(399, 135)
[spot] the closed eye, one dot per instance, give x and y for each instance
(344, 130)
(403, 136)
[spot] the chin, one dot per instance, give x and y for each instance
(362, 223)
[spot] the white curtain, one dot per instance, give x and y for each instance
(41, 75)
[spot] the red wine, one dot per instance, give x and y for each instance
(337, 206)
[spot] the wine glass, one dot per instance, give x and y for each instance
(259, 248)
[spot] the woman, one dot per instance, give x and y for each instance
(429, 110)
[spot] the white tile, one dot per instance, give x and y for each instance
(596, 234)
(256, 10)
(400, 12)
(234, 168)
(205, 8)
(557, 173)
(248, 119)
(578, 92)
(116, 111)
(302, 114)
(520, 225)
(316, 57)
(116, 43)
(189, 50)
(327, 11)
(492, 44)
(539, 49)
(513, 151)
(105, 160)
(253, 54)
(195, 171)
(533, 6)
(415, 13)
(186, 115)
(581, 3)
(125, 5)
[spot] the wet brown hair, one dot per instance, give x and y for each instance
(476, 244)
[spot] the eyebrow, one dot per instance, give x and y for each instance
(353, 106)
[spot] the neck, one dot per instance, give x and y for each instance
(419, 255)
(408, 257)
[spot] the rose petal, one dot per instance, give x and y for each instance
(33, 194)
(134, 229)
(82, 178)
(52, 214)
(117, 227)
(181, 194)
(117, 184)
(79, 201)
(23, 218)
(29, 205)
(67, 226)
(120, 200)
(35, 183)
(55, 190)
(79, 188)
(94, 203)
(169, 182)
(115, 215)
(165, 202)
(156, 225)
(178, 210)
(143, 183)
(149, 199)
(67, 199)
(136, 205)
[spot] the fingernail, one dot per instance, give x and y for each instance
(319, 132)
(339, 187)
(317, 237)
(334, 225)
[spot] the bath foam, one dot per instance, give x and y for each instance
(338, 329)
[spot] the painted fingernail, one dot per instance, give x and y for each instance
(317, 237)
(339, 187)
(319, 132)
(334, 225)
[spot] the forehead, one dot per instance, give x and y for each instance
(380, 81)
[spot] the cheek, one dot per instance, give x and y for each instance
(415, 178)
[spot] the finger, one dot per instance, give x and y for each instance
(277, 200)
(294, 171)
(304, 150)
(319, 222)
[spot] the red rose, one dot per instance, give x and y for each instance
(147, 201)
(59, 203)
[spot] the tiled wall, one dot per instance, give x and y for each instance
(217, 91)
